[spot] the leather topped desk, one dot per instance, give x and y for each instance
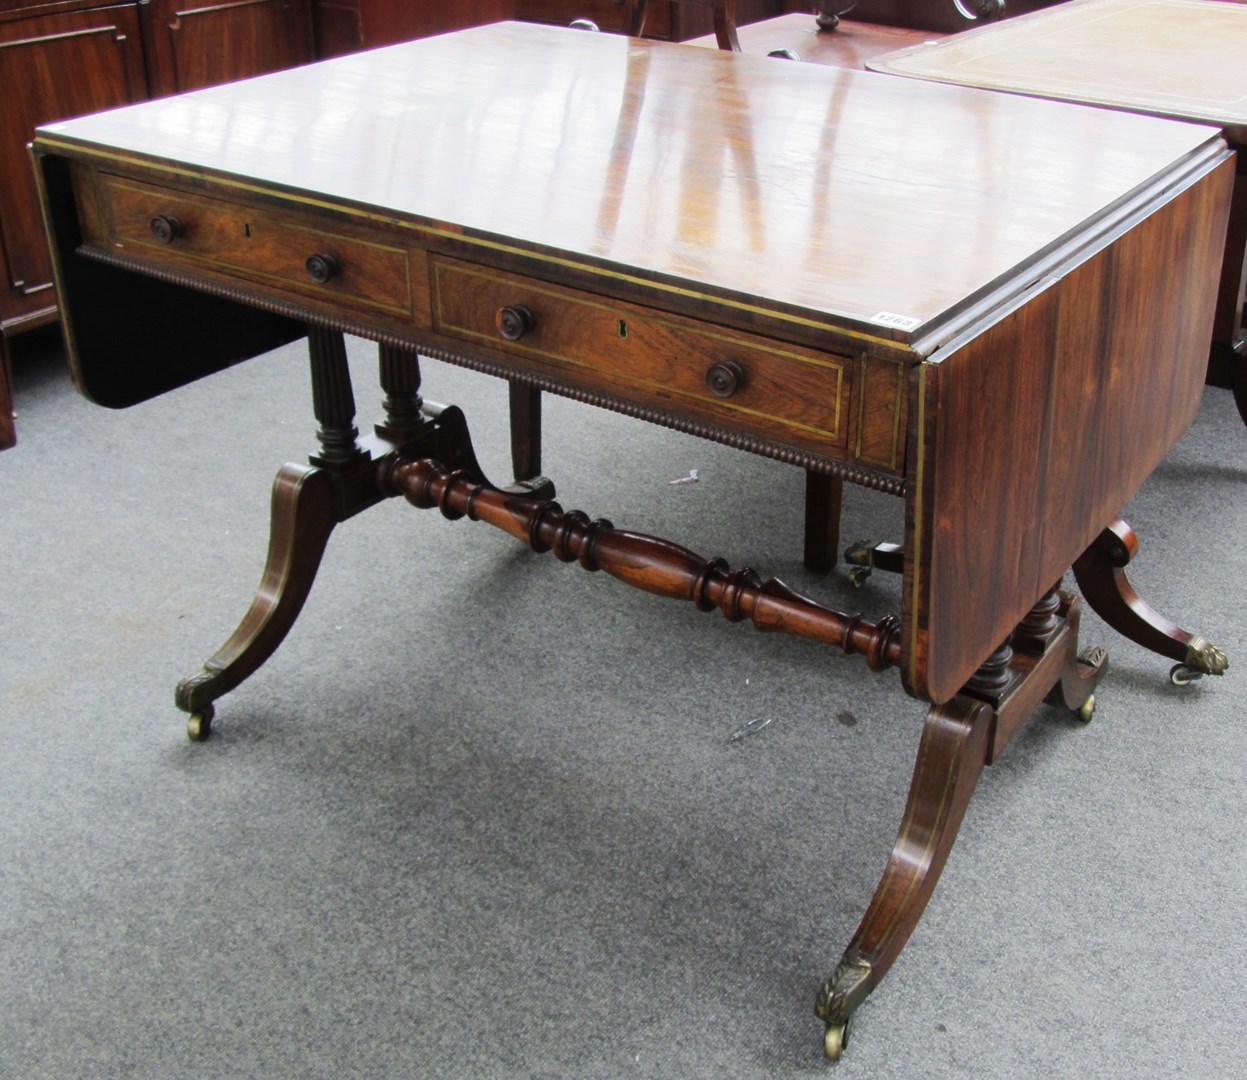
(1185, 59)
(945, 294)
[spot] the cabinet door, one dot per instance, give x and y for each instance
(53, 67)
(197, 43)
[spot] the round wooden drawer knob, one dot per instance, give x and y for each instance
(513, 321)
(725, 378)
(166, 228)
(321, 268)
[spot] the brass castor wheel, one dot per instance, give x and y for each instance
(199, 724)
(858, 576)
(1087, 709)
(836, 1039)
(1181, 675)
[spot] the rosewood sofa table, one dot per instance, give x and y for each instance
(1184, 59)
(949, 295)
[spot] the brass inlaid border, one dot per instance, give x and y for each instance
(915, 486)
(561, 293)
(897, 399)
(421, 343)
(109, 182)
(45, 143)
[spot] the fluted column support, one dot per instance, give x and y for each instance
(333, 400)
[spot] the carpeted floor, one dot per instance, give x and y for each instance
(480, 815)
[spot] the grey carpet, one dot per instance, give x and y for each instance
(480, 815)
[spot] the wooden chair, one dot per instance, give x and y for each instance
(723, 12)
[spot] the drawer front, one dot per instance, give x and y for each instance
(265, 246)
(776, 391)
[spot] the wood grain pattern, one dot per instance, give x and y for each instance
(267, 244)
(103, 48)
(1012, 496)
(648, 563)
(835, 193)
(197, 43)
(74, 57)
(795, 396)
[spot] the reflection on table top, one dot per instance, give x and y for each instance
(834, 192)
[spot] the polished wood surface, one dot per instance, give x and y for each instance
(1177, 58)
(102, 46)
(850, 45)
(345, 26)
(950, 296)
(191, 45)
(1057, 477)
(761, 180)
(73, 57)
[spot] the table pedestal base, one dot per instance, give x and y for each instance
(424, 452)
(1101, 575)
(959, 738)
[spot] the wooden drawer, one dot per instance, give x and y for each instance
(779, 392)
(266, 247)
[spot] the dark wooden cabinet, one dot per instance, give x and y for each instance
(192, 45)
(102, 47)
(59, 60)
(344, 26)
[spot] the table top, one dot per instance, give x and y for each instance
(1184, 59)
(840, 195)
